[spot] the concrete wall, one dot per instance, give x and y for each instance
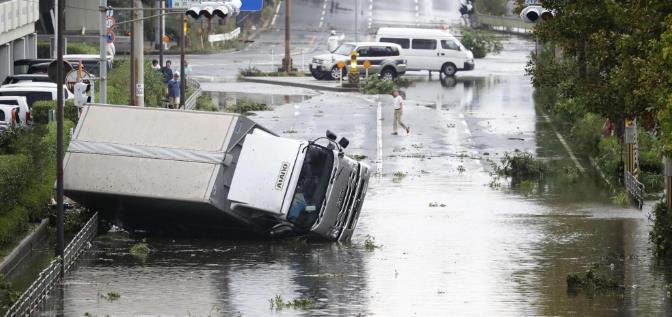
(17, 33)
(82, 17)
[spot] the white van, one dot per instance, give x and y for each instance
(34, 91)
(429, 49)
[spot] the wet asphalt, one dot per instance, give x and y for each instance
(450, 239)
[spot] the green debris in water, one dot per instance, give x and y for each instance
(111, 296)
(279, 304)
(399, 174)
(590, 281)
(370, 243)
(140, 250)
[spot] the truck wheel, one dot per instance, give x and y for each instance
(336, 73)
(388, 74)
(449, 69)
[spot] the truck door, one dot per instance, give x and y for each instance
(450, 51)
(426, 54)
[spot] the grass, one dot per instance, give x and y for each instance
(111, 296)
(279, 304)
(370, 243)
(253, 71)
(621, 198)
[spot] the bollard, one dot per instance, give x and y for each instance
(668, 182)
(303, 61)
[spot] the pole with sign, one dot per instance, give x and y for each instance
(340, 66)
(366, 65)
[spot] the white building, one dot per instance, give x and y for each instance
(17, 33)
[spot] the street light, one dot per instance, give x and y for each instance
(532, 14)
(212, 9)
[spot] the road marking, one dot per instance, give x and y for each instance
(379, 132)
(275, 17)
(565, 145)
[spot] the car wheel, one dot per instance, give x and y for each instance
(449, 69)
(388, 74)
(336, 73)
(317, 75)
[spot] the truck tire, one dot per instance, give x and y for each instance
(449, 69)
(388, 73)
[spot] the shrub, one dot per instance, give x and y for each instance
(491, 7)
(661, 234)
(568, 111)
(481, 43)
(205, 103)
(41, 109)
(43, 49)
(246, 106)
(82, 48)
(118, 84)
(587, 132)
(610, 158)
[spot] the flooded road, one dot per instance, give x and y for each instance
(448, 238)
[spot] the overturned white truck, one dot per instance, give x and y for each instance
(215, 174)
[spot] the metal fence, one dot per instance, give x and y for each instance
(190, 103)
(635, 189)
(504, 24)
(30, 300)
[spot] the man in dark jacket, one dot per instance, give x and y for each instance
(174, 90)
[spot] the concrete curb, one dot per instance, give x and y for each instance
(262, 80)
(24, 249)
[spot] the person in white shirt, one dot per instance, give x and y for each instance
(398, 111)
(332, 41)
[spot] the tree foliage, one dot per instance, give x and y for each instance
(616, 59)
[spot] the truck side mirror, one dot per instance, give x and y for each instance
(331, 136)
(343, 142)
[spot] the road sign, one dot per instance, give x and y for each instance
(340, 64)
(139, 90)
(109, 22)
(110, 37)
(247, 5)
(252, 5)
(366, 64)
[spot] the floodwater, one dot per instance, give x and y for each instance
(450, 239)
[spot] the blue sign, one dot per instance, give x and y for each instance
(252, 5)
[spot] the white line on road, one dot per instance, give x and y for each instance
(275, 17)
(565, 145)
(379, 132)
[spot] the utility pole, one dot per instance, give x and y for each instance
(60, 49)
(183, 77)
(287, 61)
(102, 95)
(138, 69)
(356, 20)
(162, 31)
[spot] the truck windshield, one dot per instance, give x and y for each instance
(312, 187)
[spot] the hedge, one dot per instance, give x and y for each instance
(40, 111)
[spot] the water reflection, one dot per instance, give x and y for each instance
(224, 99)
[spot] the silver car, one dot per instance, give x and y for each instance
(384, 59)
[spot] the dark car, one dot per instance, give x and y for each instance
(13, 79)
(21, 66)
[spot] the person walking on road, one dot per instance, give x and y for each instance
(333, 41)
(398, 112)
(174, 89)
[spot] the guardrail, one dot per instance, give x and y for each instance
(504, 24)
(190, 103)
(30, 300)
(635, 189)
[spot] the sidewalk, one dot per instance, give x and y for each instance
(301, 82)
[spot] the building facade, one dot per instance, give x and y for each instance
(17, 33)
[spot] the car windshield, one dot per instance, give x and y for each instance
(312, 187)
(344, 49)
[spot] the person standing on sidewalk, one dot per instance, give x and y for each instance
(333, 41)
(174, 87)
(398, 111)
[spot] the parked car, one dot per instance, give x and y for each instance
(9, 116)
(429, 49)
(34, 91)
(90, 63)
(385, 59)
(15, 79)
(21, 66)
(21, 102)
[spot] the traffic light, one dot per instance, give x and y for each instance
(532, 14)
(83, 93)
(220, 9)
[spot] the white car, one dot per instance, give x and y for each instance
(34, 91)
(20, 102)
(385, 60)
(9, 116)
(429, 49)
